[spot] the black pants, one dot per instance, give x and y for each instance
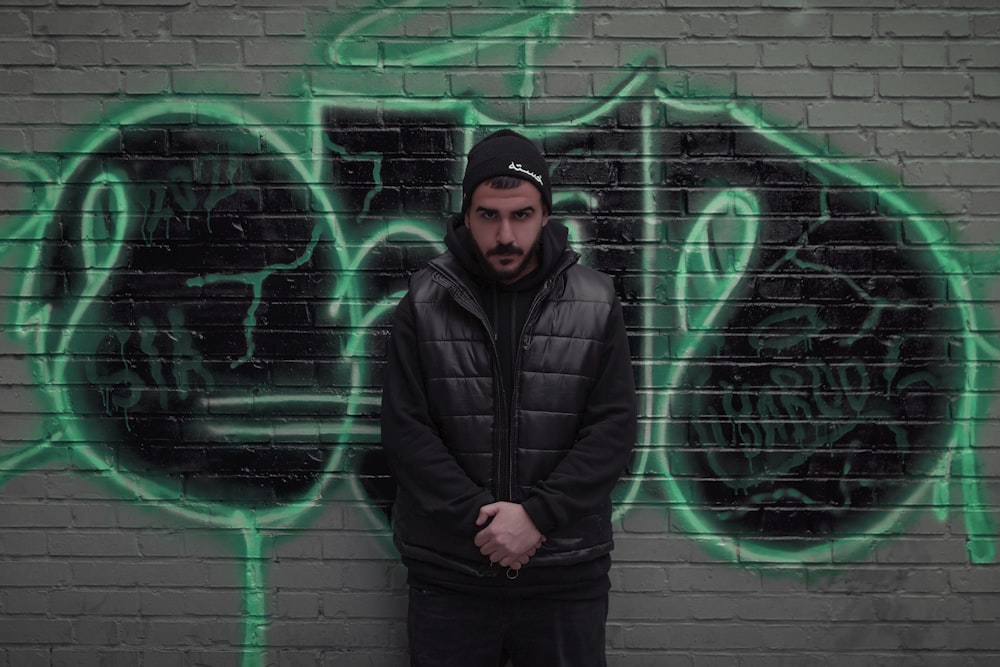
(449, 629)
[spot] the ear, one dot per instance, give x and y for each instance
(466, 218)
(545, 219)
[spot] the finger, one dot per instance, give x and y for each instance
(487, 511)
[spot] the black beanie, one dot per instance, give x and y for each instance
(506, 153)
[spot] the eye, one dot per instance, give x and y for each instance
(522, 215)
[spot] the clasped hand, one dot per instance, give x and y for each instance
(511, 538)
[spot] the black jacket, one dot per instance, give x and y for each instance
(457, 439)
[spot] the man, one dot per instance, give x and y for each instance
(508, 414)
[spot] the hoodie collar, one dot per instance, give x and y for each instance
(555, 242)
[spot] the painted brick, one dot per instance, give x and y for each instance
(986, 25)
(594, 54)
(860, 114)
(148, 53)
(409, 54)
(26, 515)
(146, 82)
(972, 638)
(94, 603)
(485, 84)
(853, 84)
(151, 3)
(974, 55)
(975, 113)
(37, 631)
(286, 83)
(569, 84)
(14, 24)
(922, 143)
(280, 52)
(708, 54)
(926, 114)
(986, 85)
(22, 543)
(923, 24)
(426, 84)
(228, 82)
(924, 55)
(426, 24)
(26, 601)
(59, 81)
(218, 52)
(299, 605)
(92, 544)
(785, 84)
(297, 4)
(285, 23)
(35, 573)
(712, 25)
(71, 22)
(784, 54)
(850, 24)
(210, 23)
(783, 24)
(944, 84)
(853, 54)
(727, 637)
(637, 25)
(26, 52)
(79, 53)
(15, 81)
(705, 4)
(27, 111)
(146, 24)
(63, 657)
(642, 579)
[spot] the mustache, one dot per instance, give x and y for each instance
(504, 249)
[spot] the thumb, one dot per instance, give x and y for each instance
(485, 512)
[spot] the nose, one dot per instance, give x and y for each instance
(505, 232)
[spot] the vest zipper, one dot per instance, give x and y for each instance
(502, 419)
(529, 321)
(506, 428)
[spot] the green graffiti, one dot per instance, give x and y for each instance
(686, 302)
(699, 305)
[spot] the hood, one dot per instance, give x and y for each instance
(555, 241)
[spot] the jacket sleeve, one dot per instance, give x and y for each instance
(428, 474)
(582, 482)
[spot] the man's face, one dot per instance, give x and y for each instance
(507, 227)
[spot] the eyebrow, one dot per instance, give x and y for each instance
(483, 209)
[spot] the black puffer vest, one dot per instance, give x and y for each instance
(508, 449)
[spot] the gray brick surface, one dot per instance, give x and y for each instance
(101, 566)
(76, 22)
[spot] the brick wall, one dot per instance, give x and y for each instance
(208, 210)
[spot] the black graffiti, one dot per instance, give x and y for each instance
(159, 365)
(822, 393)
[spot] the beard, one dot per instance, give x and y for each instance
(508, 274)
